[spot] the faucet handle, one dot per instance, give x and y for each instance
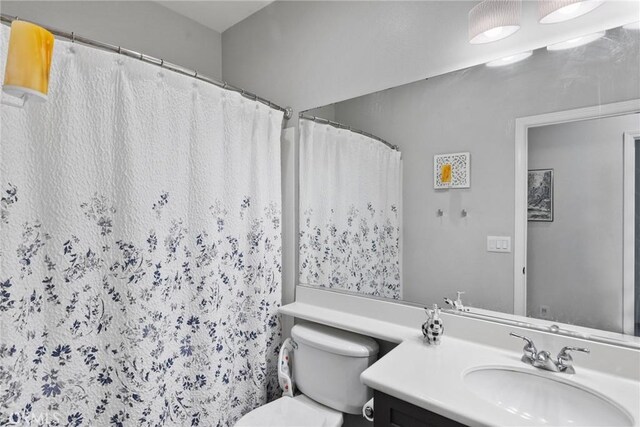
(565, 361)
(529, 349)
(564, 353)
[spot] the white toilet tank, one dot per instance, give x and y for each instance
(327, 364)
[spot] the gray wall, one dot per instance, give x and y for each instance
(575, 262)
(310, 53)
(475, 110)
(143, 26)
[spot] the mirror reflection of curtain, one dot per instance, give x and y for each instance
(350, 199)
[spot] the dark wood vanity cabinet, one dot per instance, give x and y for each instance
(392, 412)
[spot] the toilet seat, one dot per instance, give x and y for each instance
(298, 411)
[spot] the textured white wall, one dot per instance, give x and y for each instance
(575, 262)
(143, 26)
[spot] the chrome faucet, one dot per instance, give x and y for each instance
(457, 304)
(543, 359)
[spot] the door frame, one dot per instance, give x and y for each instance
(630, 140)
(522, 126)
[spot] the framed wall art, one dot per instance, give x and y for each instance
(452, 170)
(540, 195)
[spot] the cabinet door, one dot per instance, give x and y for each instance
(392, 412)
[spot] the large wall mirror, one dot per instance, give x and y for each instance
(515, 183)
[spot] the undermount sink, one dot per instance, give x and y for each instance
(543, 400)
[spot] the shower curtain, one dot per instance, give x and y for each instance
(350, 197)
(140, 250)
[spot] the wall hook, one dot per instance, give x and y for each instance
(464, 213)
(439, 212)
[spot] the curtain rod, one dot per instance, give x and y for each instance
(288, 112)
(349, 128)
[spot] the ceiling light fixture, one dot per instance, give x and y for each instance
(552, 11)
(493, 20)
(578, 41)
(512, 59)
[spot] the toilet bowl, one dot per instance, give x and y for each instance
(326, 365)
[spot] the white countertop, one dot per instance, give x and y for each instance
(431, 377)
(373, 328)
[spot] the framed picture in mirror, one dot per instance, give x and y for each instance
(540, 195)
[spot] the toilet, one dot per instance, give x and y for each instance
(327, 364)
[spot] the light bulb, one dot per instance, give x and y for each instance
(494, 33)
(570, 11)
(578, 41)
(511, 59)
(553, 11)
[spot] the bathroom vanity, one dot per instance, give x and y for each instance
(476, 376)
(527, 213)
(473, 384)
(391, 411)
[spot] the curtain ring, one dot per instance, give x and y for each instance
(73, 37)
(195, 74)
(162, 62)
(120, 50)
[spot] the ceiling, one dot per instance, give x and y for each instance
(217, 15)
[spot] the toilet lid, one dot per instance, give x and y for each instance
(287, 412)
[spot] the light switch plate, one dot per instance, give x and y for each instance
(499, 244)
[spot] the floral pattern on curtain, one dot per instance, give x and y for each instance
(140, 249)
(350, 197)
